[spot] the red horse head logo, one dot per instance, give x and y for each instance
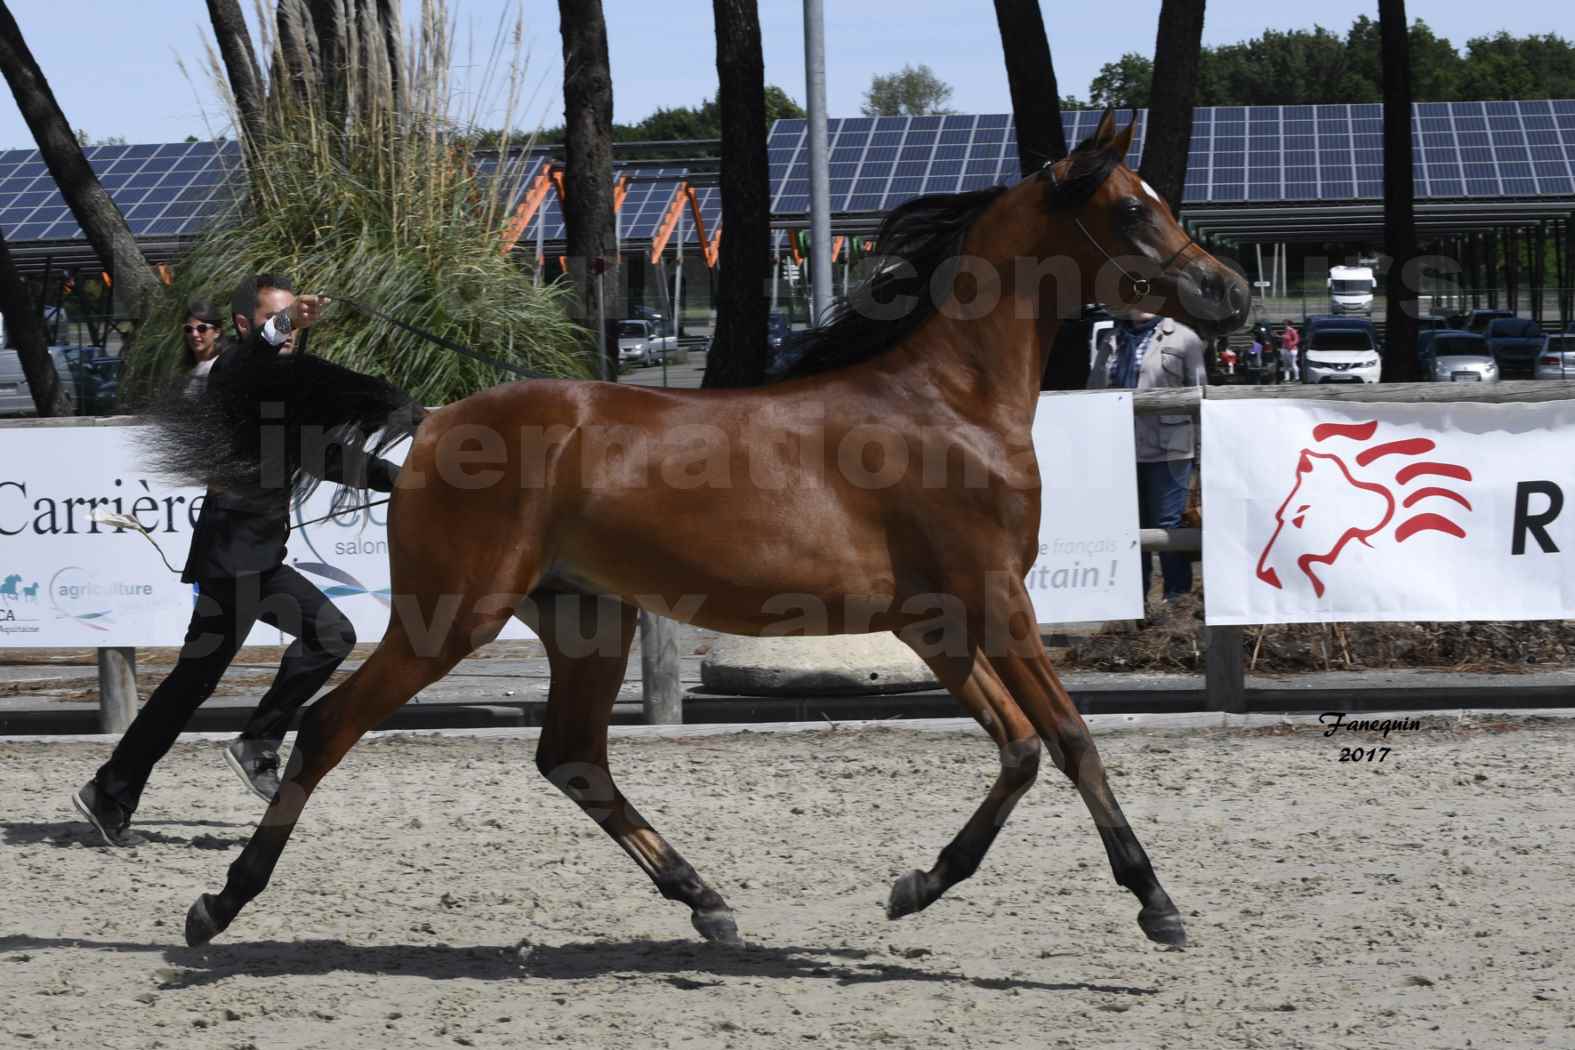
(1329, 507)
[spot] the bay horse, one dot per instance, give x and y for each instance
(805, 496)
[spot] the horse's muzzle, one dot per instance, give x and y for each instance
(1217, 298)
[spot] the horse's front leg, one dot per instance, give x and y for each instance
(976, 686)
(1018, 655)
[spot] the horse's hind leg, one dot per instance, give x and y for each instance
(1020, 658)
(587, 641)
(390, 676)
(975, 685)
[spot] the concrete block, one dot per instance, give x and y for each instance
(838, 665)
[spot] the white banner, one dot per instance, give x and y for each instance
(65, 580)
(68, 581)
(1087, 569)
(1319, 511)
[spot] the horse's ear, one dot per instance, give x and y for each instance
(1121, 143)
(1106, 129)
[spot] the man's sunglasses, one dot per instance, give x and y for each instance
(200, 329)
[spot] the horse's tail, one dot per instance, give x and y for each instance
(267, 423)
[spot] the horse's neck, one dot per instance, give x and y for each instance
(986, 367)
(998, 357)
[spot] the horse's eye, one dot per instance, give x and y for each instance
(1131, 208)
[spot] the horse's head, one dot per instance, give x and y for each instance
(1314, 523)
(1131, 251)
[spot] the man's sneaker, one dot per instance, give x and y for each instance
(257, 764)
(104, 813)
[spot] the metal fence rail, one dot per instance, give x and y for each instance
(1224, 670)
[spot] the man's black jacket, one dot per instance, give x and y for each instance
(233, 537)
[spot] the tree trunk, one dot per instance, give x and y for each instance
(588, 209)
(1400, 363)
(1036, 102)
(1178, 51)
(738, 355)
(240, 63)
(91, 206)
(26, 330)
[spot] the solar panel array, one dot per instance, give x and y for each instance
(1239, 153)
(171, 190)
(1266, 154)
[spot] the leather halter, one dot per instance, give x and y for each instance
(1140, 285)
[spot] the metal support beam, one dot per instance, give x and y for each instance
(1539, 251)
(819, 167)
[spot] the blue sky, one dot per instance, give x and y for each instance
(113, 64)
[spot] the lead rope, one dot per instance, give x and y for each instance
(465, 351)
(126, 521)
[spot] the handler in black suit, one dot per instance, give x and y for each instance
(237, 562)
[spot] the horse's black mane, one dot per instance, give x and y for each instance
(926, 234)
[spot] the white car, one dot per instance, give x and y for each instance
(1341, 355)
(1557, 358)
(639, 343)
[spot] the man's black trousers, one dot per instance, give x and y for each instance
(224, 615)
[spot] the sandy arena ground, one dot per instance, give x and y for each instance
(440, 894)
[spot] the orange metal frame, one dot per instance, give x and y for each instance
(541, 184)
(550, 180)
(837, 245)
(684, 195)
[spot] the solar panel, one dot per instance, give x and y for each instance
(159, 188)
(1301, 153)
(1307, 153)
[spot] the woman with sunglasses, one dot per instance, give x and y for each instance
(200, 345)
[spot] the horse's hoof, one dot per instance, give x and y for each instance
(1163, 926)
(716, 925)
(908, 895)
(201, 927)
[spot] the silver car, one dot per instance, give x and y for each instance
(1452, 356)
(16, 397)
(1557, 358)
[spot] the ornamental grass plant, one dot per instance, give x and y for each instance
(378, 194)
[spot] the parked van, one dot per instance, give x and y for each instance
(1351, 289)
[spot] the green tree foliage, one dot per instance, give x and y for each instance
(85, 140)
(1318, 65)
(1503, 66)
(1124, 83)
(681, 122)
(913, 91)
